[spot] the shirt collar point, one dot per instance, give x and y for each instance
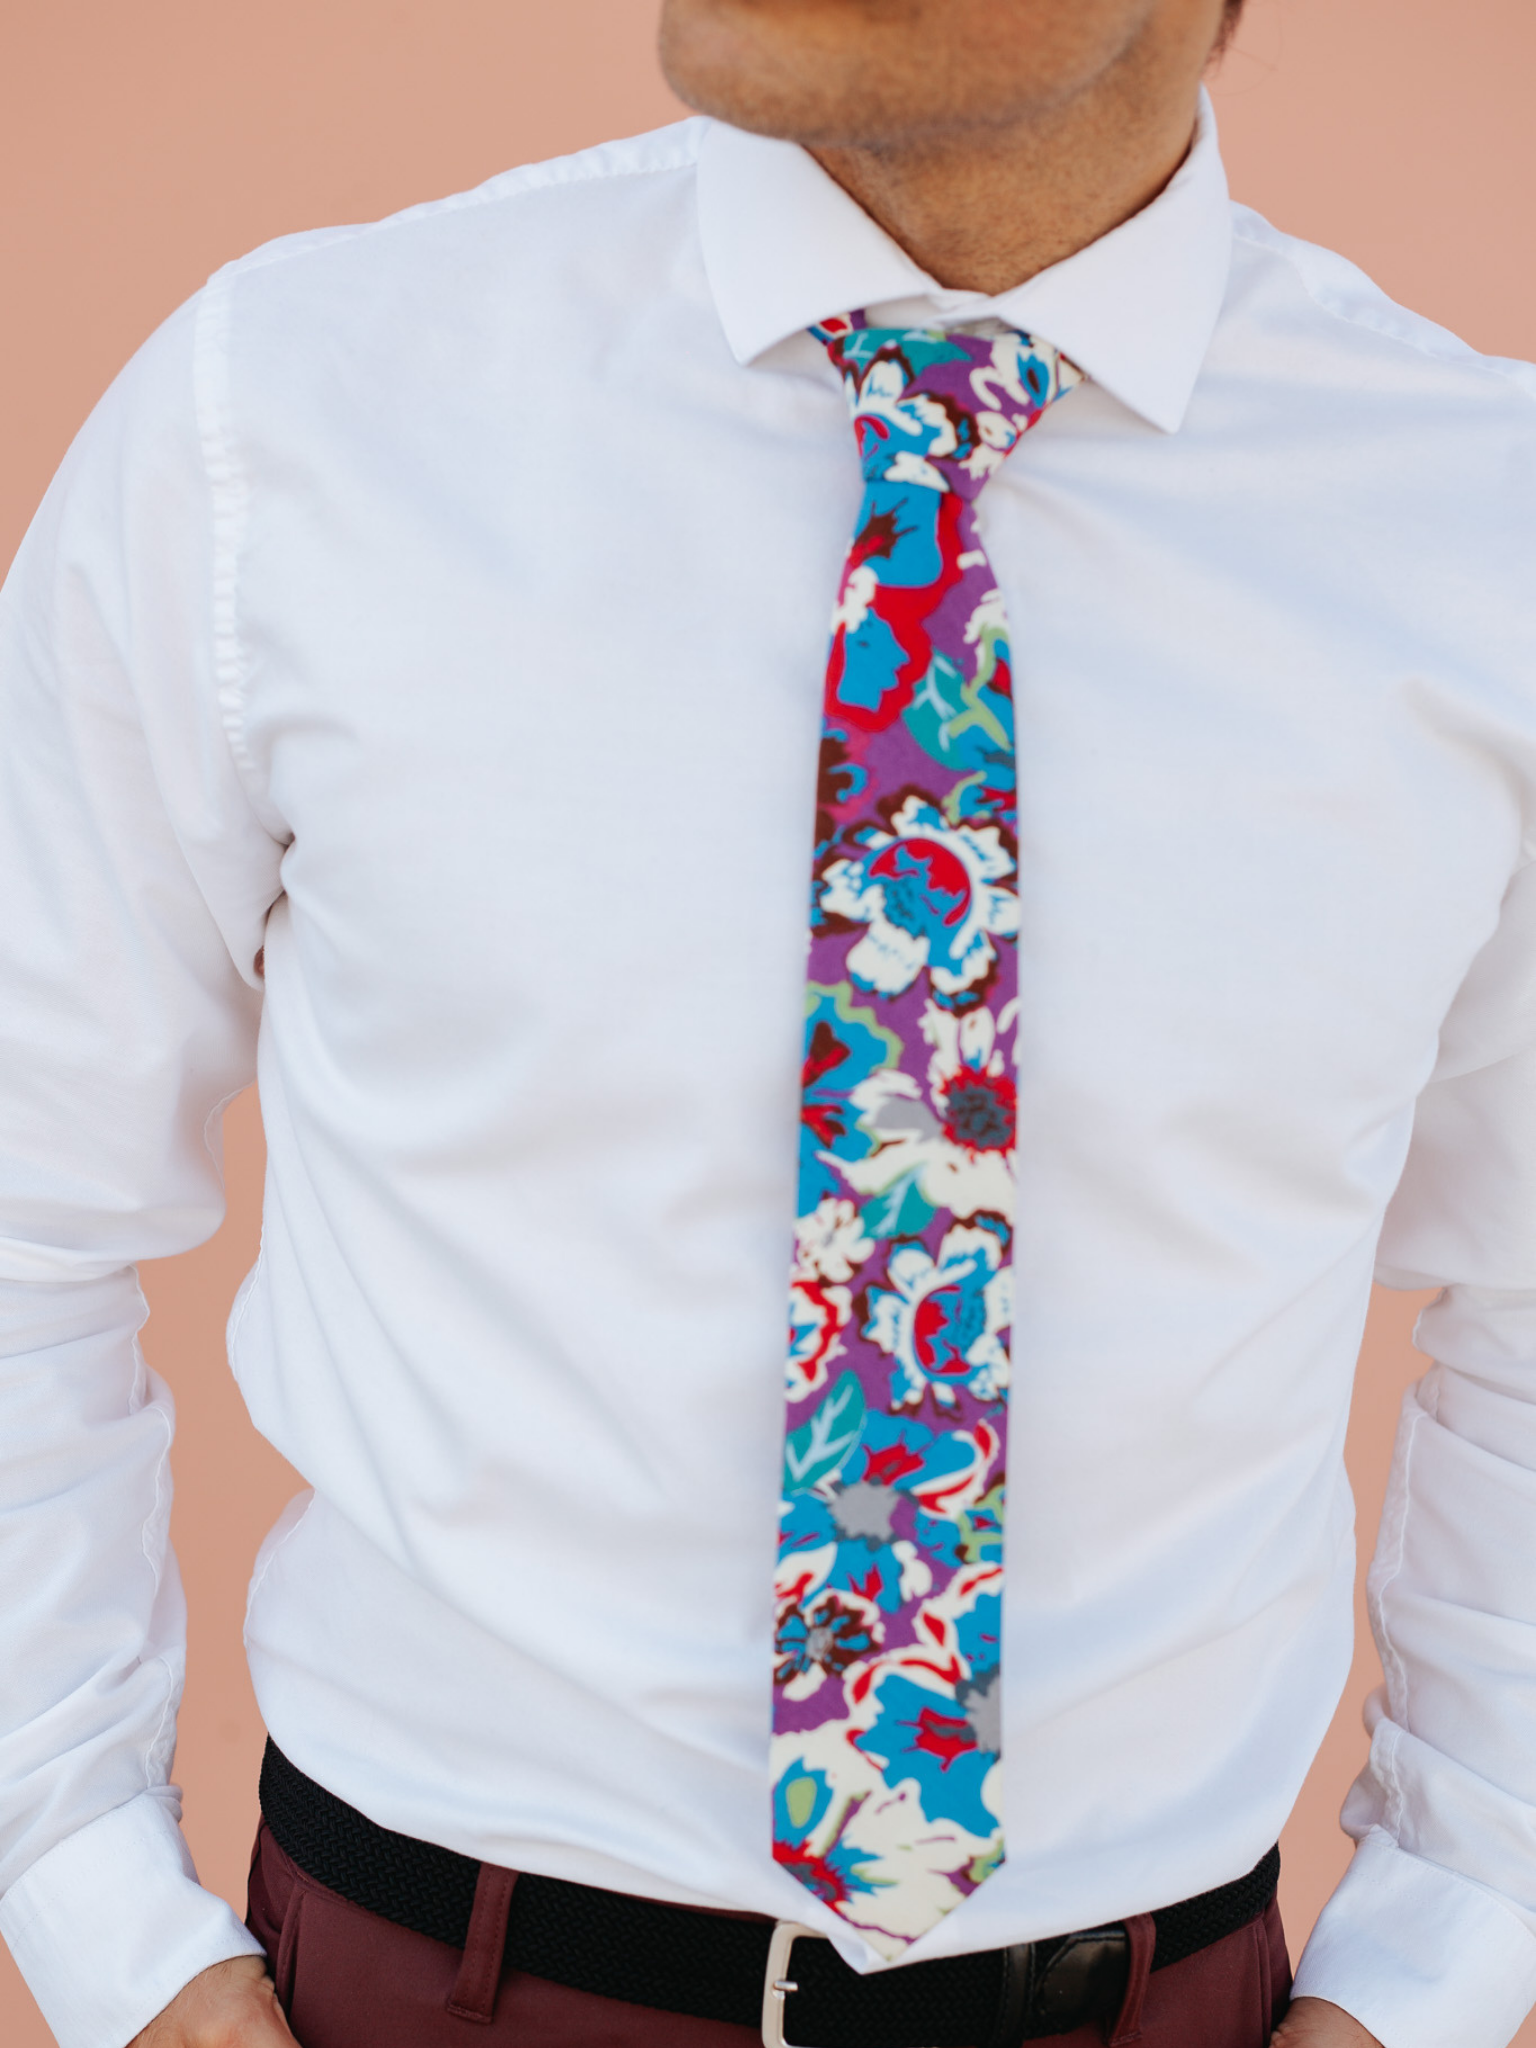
(784, 246)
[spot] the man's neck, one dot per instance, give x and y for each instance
(984, 210)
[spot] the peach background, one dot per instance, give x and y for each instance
(141, 146)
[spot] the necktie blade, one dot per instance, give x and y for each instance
(886, 1754)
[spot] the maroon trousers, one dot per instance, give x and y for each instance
(348, 1979)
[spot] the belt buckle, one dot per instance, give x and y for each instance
(776, 1985)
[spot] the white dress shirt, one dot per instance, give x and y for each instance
(441, 606)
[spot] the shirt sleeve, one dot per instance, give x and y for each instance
(135, 874)
(1431, 1937)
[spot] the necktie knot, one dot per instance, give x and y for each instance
(941, 410)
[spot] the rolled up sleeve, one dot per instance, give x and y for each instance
(136, 869)
(1431, 1938)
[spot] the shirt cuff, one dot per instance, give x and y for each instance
(110, 1924)
(1419, 1955)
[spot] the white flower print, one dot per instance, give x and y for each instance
(959, 1144)
(830, 1247)
(942, 1320)
(928, 893)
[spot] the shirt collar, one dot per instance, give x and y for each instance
(784, 245)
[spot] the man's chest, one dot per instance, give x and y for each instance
(544, 723)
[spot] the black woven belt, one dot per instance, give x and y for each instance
(712, 1965)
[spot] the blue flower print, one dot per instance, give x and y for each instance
(843, 1046)
(965, 723)
(979, 1634)
(822, 1638)
(918, 348)
(948, 1744)
(977, 1532)
(801, 1800)
(853, 1506)
(898, 570)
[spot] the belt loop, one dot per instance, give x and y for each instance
(1141, 1935)
(1013, 1995)
(473, 1996)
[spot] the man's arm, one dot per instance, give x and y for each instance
(134, 877)
(1431, 1937)
(231, 2005)
(1314, 2023)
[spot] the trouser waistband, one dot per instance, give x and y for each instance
(714, 1965)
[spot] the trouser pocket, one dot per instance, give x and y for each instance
(274, 1904)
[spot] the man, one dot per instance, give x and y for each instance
(423, 654)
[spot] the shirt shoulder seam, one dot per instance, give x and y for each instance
(584, 167)
(229, 487)
(1462, 356)
(229, 496)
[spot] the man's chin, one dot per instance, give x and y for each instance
(839, 74)
(807, 75)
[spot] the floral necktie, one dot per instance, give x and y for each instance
(887, 1703)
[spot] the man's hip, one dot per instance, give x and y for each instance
(375, 1939)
